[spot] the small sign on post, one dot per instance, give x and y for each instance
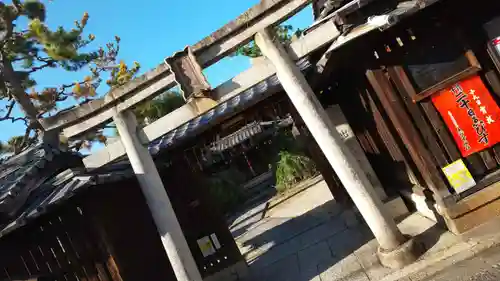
(459, 176)
(206, 246)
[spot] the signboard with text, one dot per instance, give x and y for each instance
(459, 176)
(471, 114)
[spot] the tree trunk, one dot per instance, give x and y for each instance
(24, 102)
(18, 93)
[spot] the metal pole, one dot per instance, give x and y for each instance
(170, 231)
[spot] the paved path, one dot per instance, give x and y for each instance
(262, 233)
(308, 237)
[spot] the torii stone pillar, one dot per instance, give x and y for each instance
(395, 250)
(172, 238)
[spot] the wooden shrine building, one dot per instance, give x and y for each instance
(422, 98)
(75, 225)
(417, 82)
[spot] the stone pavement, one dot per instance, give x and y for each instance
(475, 257)
(308, 237)
(484, 266)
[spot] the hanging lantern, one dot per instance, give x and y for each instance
(495, 43)
(492, 29)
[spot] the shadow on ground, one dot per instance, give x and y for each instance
(255, 210)
(324, 244)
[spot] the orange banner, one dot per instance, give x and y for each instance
(471, 114)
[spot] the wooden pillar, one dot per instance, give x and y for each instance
(409, 134)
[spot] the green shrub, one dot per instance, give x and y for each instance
(292, 168)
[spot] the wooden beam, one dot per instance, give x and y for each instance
(252, 14)
(157, 129)
(298, 49)
(167, 123)
(307, 44)
(139, 85)
(242, 30)
(208, 51)
(93, 121)
(403, 85)
(409, 134)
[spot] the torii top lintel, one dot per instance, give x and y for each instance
(207, 51)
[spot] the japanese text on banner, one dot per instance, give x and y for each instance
(471, 114)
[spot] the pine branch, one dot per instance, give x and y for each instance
(37, 68)
(26, 137)
(8, 116)
(20, 58)
(18, 92)
(24, 119)
(16, 4)
(9, 107)
(28, 49)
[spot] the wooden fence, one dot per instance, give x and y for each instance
(61, 246)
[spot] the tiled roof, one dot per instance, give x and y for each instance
(32, 193)
(231, 106)
(28, 181)
(15, 170)
(237, 137)
(22, 174)
(246, 132)
(59, 189)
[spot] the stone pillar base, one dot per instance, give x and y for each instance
(400, 257)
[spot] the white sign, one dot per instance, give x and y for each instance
(459, 176)
(206, 246)
(215, 240)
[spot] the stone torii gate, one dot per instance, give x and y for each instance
(185, 68)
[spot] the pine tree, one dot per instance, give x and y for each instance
(284, 33)
(156, 108)
(25, 50)
(159, 107)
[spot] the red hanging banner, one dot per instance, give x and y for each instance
(471, 114)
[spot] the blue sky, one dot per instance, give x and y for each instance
(149, 32)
